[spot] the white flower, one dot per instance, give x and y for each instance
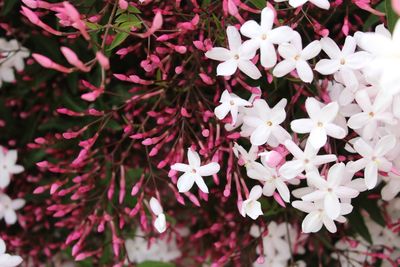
(246, 158)
(265, 122)
(320, 124)
(140, 250)
(295, 57)
(271, 180)
(8, 208)
(344, 61)
(386, 62)
(230, 103)
(7, 260)
(159, 223)
(392, 187)
(264, 37)
(373, 158)
(371, 114)
(324, 4)
(317, 216)
(251, 206)
(238, 56)
(303, 161)
(330, 190)
(193, 172)
(12, 55)
(8, 166)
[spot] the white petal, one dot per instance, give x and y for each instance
(357, 121)
(160, 223)
(248, 68)
(255, 192)
(2, 246)
(329, 224)
(254, 210)
(219, 53)
(155, 206)
(297, 3)
(200, 183)
(18, 203)
(208, 169)
(363, 148)
(4, 179)
(280, 35)
(322, 159)
(294, 149)
(303, 206)
(330, 47)
(260, 135)
(371, 175)
(222, 110)
(329, 112)
(181, 167)
(250, 29)
(291, 169)
(302, 125)
(311, 223)
(304, 71)
(227, 68)
(185, 182)
(349, 46)
(324, 4)
(336, 174)
(234, 39)
(384, 145)
(358, 60)
(267, 18)
(10, 216)
(317, 137)
(316, 180)
(327, 66)
(335, 131)
(314, 196)
(283, 68)
(287, 51)
(193, 158)
(268, 56)
(311, 50)
(332, 206)
(283, 190)
(268, 189)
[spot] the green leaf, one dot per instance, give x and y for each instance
(357, 223)
(155, 264)
(391, 16)
(93, 26)
(259, 3)
(118, 39)
(127, 17)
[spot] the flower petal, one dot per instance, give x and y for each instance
(371, 175)
(249, 68)
(317, 137)
(234, 39)
(304, 71)
(332, 206)
(185, 182)
(291, 169)
(193, 158)
(209, 169)
(250, 29)
(302, 125)
(219, 53)
(311, 50)
(260, 135)
(283, 68)
(327, 66)
(227, 68)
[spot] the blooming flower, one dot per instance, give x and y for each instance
(373, 158)
(193, 172)
(230, 103)
(371, 114)
(251, 206)
(238, 56)
(160, 223)
(7, 260)
(344, 61)
(12, 55)
(8, 208)
(330, 190)
(246, 158)
(262, 36)
(8, 166)
(320, 124)
(324, 4)
(265, 121)
(271, 180)
(303, 161)
(295, 57)
(317, 216)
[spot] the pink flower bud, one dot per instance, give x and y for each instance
(103, 60)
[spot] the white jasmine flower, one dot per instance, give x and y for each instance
(193, 172)
(230, 103)
(12, 55)
(320, 124)
(271, 180)
(263, 36)
(246, 158)
(295, 57)
(159, 223)
(371, 114)
(7, 260)
(373, 158)
(8, 166)
(251, 206)
(344, 61)
(307, 161)
(265, 122)
(317, 216)
(330, 190)
(8, 208)
(237, 57)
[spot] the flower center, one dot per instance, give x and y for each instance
(297, 57)
(320, 124)
(236, 56)
(264, 36)
(306, 161)
(371, 114)
(269, 123)
(342, 61)
(193, 170)
(232, 102)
